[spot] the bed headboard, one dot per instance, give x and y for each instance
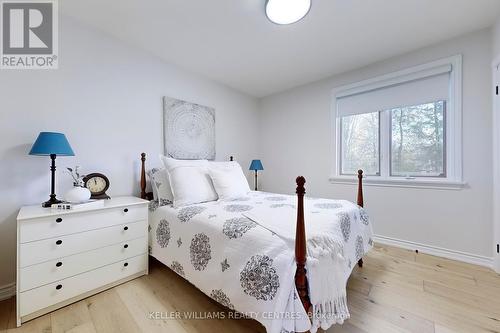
(149, 195)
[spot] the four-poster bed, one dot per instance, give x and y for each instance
(301, 282)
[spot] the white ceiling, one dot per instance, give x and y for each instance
(232, 42)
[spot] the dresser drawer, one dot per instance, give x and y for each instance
(42, 297)
(48, 249)
(38, 275)
(75, 222)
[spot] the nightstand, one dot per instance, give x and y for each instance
(65, 256)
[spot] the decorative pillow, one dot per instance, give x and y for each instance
(161, 186)
(228, 179)
(190, 181)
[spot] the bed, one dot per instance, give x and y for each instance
(249, 254)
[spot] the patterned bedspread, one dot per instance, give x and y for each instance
(241, 264)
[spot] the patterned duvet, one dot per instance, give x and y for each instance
(241, 264)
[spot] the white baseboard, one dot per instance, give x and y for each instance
(437, 251)
(7, 291)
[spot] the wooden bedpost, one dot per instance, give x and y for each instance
(360, 200)
(143, 176)
(300, 247)
(360, 188)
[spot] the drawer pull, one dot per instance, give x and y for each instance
(59, 264)
(59, 242)
(125, 210)
(59, 286)
(125, 264)
(125, 246)
(59, 220)
(125, 228)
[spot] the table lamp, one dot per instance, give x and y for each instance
(51, 144)
(256, 165)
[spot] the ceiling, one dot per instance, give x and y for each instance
(232, 42)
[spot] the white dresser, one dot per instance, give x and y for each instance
(65, 256)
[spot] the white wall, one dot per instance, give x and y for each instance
(496, 39)
(106, 97)
(296, 139)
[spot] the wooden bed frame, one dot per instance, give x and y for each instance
(300, 235)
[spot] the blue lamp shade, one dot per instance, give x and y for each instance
(256, 165)
(50, 143)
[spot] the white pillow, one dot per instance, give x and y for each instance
(161, 185)
(229, 180)
(190, 181)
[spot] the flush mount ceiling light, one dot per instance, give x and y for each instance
(287, 11)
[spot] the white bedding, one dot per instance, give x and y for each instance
(246, 264)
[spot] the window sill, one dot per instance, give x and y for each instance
(437, 184)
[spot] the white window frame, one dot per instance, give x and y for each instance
(453, 130)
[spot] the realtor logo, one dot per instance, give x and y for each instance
(29, 34)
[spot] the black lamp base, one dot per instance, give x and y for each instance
(256, 182)
(53, 200)
(50, 202)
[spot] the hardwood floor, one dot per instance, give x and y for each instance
(396, 291)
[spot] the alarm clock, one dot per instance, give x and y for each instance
(98, 184)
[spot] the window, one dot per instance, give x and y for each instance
(403, 128)
(417, 140)
(361, 143)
